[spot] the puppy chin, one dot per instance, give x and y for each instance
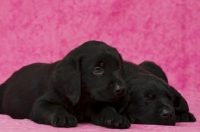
(172, 123)
(165, 123)
(106, 99)
(112, 99)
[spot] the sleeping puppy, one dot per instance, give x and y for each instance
(180, 104)
(151, 99)
(57, 94)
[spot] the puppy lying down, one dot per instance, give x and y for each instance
(151, 100)
(65, 92)
(87, 86)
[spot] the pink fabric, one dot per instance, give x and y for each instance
(166, 32)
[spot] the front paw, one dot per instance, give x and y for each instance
(115, 120)
(131, 119)
(63, 120)
(185, 117)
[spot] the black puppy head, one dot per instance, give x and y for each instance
(151, 100)
(95, 68)
(180, 104)
(101, 72)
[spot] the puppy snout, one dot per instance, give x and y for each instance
(166, 113)
(119, 89)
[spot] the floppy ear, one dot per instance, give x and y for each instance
(181, 108)
(154, 69)
(66, 77)
(180, 104)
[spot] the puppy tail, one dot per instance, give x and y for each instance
(2, 89)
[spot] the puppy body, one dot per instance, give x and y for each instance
(151, 99)
(21, 90)
(59, 93)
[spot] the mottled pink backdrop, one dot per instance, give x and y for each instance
(167, 32)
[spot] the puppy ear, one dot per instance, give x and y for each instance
(180, 104)
(154, 69)
(120, 59)
(66, 77)
(181, 108)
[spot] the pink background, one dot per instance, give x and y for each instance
(167, 32)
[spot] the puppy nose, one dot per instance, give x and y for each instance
(119, 89)
(166, 113)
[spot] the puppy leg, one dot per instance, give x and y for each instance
(45, 112)
(110, 118)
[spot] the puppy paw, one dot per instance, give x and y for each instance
(131, 119)
(185, 117)
(63, 120)
(115, 121)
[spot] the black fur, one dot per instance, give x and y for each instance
(69, 90)
(151, 99)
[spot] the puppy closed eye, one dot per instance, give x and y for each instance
(170, 97)
(149, 97)
(119, 66)
(120, 69)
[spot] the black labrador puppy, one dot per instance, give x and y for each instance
(63, 92)
(151, 100)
